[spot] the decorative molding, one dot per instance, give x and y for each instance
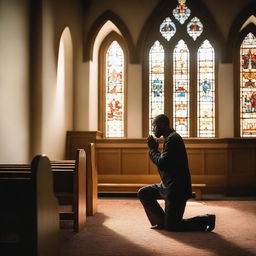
(95, 28)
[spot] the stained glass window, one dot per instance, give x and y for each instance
(114, 97)
(206, 90)
(181, 12)
(181, 89)
(195, 28)
(167, 29)
(181, 75)
(156, 82)
(248, 86)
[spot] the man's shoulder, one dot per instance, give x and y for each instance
(173, 136)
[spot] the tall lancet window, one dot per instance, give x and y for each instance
(156, 81)
(112, 86)
(114, 96)
(181, 89)
(179, 71)
(248, 86)
(206, 90)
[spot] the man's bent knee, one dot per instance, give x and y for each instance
(143, 193)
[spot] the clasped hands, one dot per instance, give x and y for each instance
(152, 143)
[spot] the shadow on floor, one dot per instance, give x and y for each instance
(98, 239)
(210, 241)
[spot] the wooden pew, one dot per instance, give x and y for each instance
(70, 187)
(69, 184)
(92, 181)
(29, 210)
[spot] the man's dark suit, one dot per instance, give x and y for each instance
(175, 188)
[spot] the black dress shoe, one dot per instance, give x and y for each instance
(210, 222)
(157, 227)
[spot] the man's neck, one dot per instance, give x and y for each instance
(168, 132)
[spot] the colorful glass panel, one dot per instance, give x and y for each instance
(181, 89)
(167, 29)
(206, 90)
(195, 28)
(156, 82)
(114, 124)
(181, 12)
(248, 86)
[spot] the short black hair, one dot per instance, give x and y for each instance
(163, 119)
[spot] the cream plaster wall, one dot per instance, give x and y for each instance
(226, 101)
(14, 81)
(134, 101)
(57, 93)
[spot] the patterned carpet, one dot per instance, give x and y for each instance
(121, 228)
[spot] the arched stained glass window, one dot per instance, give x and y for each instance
(156, 81)
(114, 91)
(179, 78)
(181, 89)
(206, 91)
(248, 86)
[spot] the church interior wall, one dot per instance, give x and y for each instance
(82, 100)
(14, 81)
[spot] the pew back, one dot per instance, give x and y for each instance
(29, 208)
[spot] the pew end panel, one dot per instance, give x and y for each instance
(92, 181)
(46, 208)
(79, 195)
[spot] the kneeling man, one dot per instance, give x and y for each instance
(175, 186)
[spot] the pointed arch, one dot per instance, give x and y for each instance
(180, 73)
(161, 11)
(181, 90)
(155, 88)
(113, 87)
(206, 95)
(95, 28)
(239, 38)
(59, 105)
(235, 31)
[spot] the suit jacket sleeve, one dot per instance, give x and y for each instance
(162, 159)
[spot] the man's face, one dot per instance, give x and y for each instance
(157, 129)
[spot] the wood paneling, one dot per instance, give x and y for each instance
(224, 165)
(242, 162)
(108, 161)
(195, 160)
(215, 162)
(134, 161)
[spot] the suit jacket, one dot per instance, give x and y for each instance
(173, 167)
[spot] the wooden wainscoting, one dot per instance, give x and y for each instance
(127, 161)
(225, 165)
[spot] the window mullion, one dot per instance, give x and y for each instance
(193, 92)
(168, 84)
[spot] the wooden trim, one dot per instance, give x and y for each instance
(91, 181)
(113, 36)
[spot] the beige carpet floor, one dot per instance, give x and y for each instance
(121, 228)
